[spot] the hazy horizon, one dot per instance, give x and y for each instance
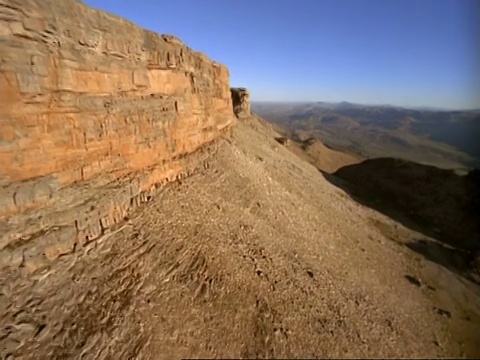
(365, 104)
(409, 53)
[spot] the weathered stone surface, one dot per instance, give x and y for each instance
(96, 115)
(241, 102)
(89, 98)
(86, 94)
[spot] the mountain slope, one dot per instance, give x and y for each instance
(323, 157)
(255, 256)
(315, 152)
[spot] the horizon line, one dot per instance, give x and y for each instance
(413, 107)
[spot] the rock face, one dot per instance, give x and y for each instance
(241, 102)
(283, 140)
(96, 113)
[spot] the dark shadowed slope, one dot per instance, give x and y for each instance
(436, 198)
(436, 202)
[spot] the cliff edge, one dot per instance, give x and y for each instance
(96, 114)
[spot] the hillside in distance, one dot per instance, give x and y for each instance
(447, 139)
(314, 151)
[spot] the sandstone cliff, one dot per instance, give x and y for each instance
(95, 113)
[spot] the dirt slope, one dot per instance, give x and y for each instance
(324, 158)
(256, 256)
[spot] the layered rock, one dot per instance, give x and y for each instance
(241, 102)
(96, 113)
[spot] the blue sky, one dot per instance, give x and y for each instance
(405, 52)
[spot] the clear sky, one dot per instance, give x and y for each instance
(400, 52)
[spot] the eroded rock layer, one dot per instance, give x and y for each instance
(95, 114)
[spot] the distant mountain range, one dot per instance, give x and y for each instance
(344, 104)
(447, 139)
